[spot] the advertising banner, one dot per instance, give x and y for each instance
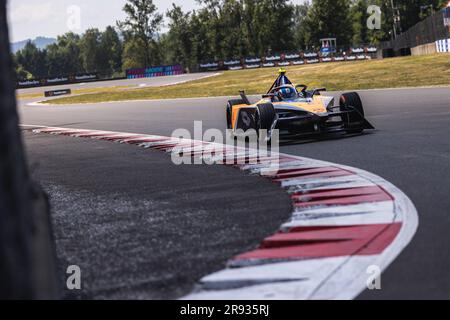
(150, 72)
(22, 84)
(55, 93)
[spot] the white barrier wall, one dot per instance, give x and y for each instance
(424, 49)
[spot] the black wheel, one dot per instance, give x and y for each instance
(229, 111)
(265, 116)
(352, 102)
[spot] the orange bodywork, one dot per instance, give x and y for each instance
(315, 106)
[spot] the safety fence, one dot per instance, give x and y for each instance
(429, 31)
(291, 59)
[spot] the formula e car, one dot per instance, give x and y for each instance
(296, 111)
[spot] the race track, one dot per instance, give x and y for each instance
(410, 148)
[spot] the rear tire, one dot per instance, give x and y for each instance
(352, 101)
(229, 110)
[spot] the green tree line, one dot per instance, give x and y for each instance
(218, 30)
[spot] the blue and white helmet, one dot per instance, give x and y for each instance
(287, 93)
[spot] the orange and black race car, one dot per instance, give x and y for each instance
(296, 112)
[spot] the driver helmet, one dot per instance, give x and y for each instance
(287, 93)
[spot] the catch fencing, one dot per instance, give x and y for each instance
(430, 30)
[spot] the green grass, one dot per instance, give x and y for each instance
(431, 70)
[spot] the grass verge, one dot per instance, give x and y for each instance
(431, 70)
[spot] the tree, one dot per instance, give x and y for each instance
(19, 71)
(225, 29)
(359, 22)
(231, 22)
(63, 57)
(133, 56)
(201, 47)
(329, 19)
(268, 25)
(90, 51)
(301, 36)
(111, 51)
(179, 39)
(279, 15)
(140, 26)
(33, 60)
(249, 29)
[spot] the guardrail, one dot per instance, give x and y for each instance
(291, 59)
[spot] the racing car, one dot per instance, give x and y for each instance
(296, 111)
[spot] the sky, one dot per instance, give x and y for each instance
(29, 19)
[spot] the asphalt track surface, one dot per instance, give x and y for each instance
(410, 148)
(140, 227)
(132, 83)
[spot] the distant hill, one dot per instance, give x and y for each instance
(40, 42)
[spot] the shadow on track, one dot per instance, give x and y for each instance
(284, 142)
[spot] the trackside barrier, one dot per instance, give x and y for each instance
(291, 59)
(55, 81)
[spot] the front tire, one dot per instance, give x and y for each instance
(265, 116)
(352, 102)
